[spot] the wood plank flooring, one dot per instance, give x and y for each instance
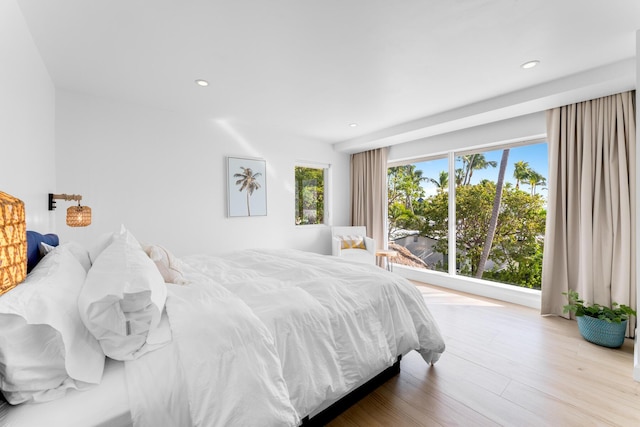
(505, 365)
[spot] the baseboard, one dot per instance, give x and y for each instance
(636, 358)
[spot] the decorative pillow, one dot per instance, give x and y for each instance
(352, 242)
(122, 300)
(81, 254)
(169, 266)
(44, 346)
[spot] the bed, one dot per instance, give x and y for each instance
(256, 337)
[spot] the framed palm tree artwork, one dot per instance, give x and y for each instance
(246, 187)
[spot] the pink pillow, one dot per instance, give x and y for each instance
(168, 265)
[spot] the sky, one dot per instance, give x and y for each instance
(534, 154)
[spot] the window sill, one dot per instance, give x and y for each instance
(508, 293)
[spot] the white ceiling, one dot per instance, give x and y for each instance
(312, 67)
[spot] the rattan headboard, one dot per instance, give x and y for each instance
(13, 242)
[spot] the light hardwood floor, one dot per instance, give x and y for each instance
(504, 365)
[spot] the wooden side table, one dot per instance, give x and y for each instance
(386, 257)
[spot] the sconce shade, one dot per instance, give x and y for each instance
(78, 216)
(13, 242)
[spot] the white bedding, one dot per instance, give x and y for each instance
(260, 338)
(266, 337)
(106, 405)
(220, 369)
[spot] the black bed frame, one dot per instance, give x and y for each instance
(352, 397)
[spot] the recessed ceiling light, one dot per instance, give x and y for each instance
(530, 64)
(202, 83)
(353, 125)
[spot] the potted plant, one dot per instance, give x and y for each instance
(602, 325)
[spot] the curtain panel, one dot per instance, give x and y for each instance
(590, 232)
(369, 192)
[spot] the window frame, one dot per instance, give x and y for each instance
(451, 155)
(326, 167)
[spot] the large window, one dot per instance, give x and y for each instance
(499, 219)
(309, 192)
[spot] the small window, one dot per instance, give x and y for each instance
(310, 192)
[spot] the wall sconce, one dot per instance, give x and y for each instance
(77, 216)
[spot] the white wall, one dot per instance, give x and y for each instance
(27, 118)
(163, 175)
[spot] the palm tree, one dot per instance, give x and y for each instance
(407, 184)
(493, 222)
(521, 172)
(473, 162)
(442, 182)
(415, 184)
(535, 179)
(459, 176)
(247, 182)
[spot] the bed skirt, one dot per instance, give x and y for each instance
(338, 407)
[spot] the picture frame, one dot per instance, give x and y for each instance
(246, 187)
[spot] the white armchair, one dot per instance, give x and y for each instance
(342, 238)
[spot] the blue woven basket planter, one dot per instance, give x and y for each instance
(602, 332)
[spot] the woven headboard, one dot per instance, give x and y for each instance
(13, 242)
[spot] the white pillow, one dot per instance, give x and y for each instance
(101, 244)
(122, 300)
(75, 248)
(44, 346)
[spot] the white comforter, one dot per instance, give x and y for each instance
(265, 337)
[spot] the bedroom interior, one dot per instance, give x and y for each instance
(102, 99)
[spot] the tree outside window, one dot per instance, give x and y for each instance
(309, 195)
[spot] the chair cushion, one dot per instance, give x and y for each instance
(358, 255)
(352, 242)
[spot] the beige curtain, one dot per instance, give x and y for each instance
(369, 192)
(590, 235)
